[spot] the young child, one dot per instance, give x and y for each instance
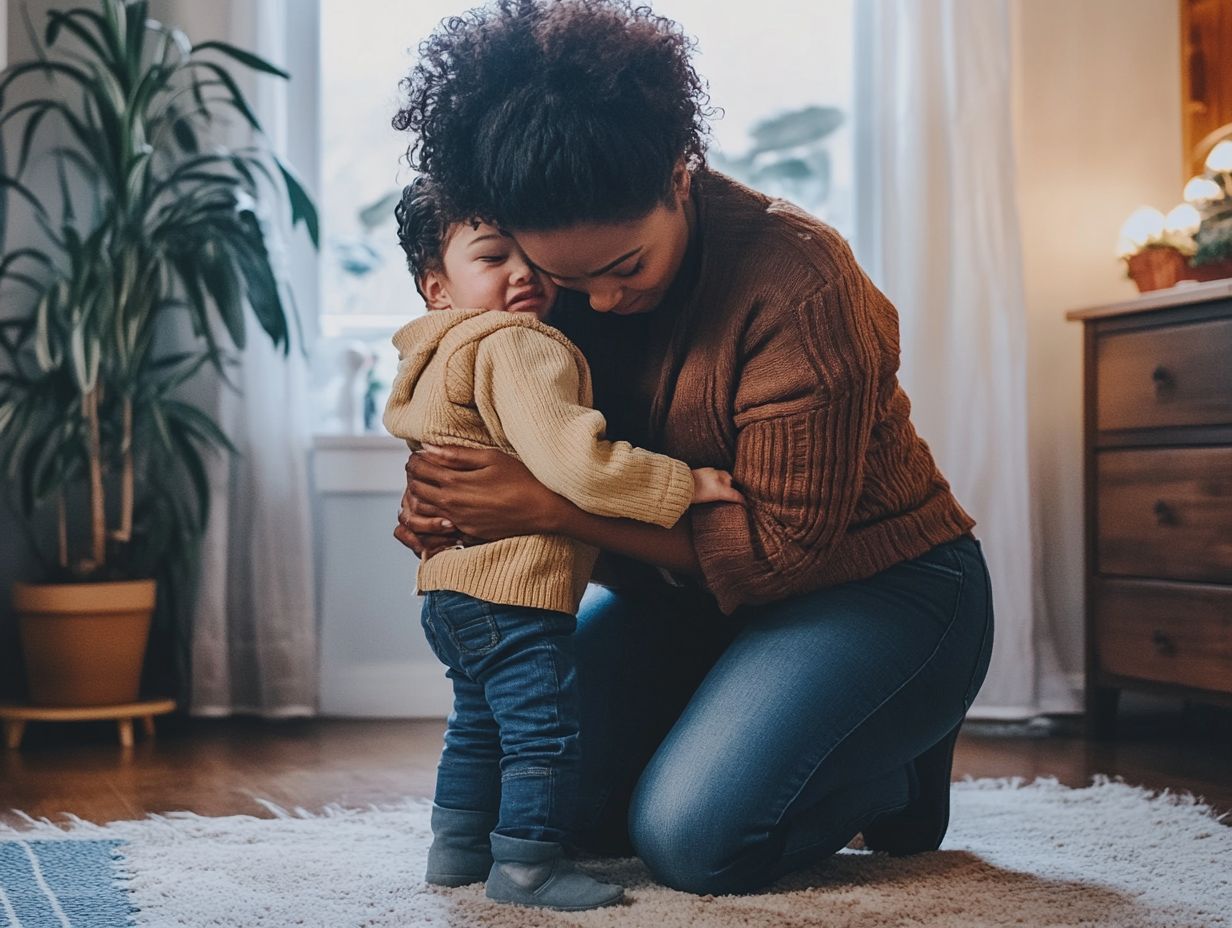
(501, 615)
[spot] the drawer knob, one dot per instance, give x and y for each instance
(1165, 514)
(1164, 380)
(1163, 644)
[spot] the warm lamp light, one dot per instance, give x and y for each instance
(1183, 220)
(1219, 161)
(1143, 225)
(1201, 190)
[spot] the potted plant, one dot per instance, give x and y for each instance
(1194, 241)
(119, 302)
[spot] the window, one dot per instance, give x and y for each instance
(783, 80)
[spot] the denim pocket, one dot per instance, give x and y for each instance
(425, 620)
(939, 560)
(469, 622)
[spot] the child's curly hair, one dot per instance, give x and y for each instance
(540, 114)
(423, 226)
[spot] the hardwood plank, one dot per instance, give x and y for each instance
(222, 767)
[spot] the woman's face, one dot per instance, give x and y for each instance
(623, 267)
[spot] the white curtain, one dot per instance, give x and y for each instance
(937, 230)
(254, 644)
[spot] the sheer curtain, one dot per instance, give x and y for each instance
(254, 645)
(937, 229)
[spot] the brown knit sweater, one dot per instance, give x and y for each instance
(775, 358)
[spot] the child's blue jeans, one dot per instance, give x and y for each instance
(512, 740)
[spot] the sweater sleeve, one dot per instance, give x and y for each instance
(529, 387)
(805, 406)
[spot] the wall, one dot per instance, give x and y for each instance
(1098, 117)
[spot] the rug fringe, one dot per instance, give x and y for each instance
(73, 826)
(1098, 781)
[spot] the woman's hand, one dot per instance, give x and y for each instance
(484, 494)
(419, 528)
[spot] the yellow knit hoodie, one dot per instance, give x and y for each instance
(506, 381)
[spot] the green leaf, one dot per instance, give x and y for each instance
(137, 13)
(160, 424)
(34, 454)
(79, 352)
(114, 12)
(8, 410)
(51, 465)
(198, 423)
(16, 255)
(248, 58)
(185, 135)
(88, 169)
(378, 212)
(180, 377)
(67, 214)
(89, 141)
(302, 207)
(138, 172)
(219, 278)
(262, 287)
(27, 137)
(237, 97)
(11, 183)
(43, 349)
(57, 19)
(47, 67)
(100, 23)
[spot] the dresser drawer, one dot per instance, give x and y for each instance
(1165, 513)
(1165, 376)
(1165, 632)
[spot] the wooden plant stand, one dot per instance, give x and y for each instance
(15, 717)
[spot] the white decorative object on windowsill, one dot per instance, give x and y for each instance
(347, 388)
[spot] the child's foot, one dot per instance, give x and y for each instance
(460, 852)
(537, 873)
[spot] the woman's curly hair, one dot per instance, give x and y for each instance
(541, 114)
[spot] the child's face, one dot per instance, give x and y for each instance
(483, 268)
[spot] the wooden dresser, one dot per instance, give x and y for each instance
(1158, 474)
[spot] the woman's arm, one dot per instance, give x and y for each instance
(489, 495)
(671, 548)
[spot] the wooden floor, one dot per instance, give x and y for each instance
(222, 767)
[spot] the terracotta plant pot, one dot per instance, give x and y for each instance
(1158, 267)
(84, 643)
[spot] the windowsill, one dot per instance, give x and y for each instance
(366, 441)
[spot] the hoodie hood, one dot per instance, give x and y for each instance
(438, 336)
(418, 341)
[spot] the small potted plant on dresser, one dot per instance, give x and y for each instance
(1193, 243)
(151, 246)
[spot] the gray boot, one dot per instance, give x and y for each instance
(460, 852)
(537, 873)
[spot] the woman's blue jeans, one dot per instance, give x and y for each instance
(727, 751)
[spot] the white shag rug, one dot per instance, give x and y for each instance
(1037, 855)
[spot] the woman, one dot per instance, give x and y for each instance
(761, 682)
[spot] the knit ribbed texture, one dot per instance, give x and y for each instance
(509, 382)
(783, 370)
